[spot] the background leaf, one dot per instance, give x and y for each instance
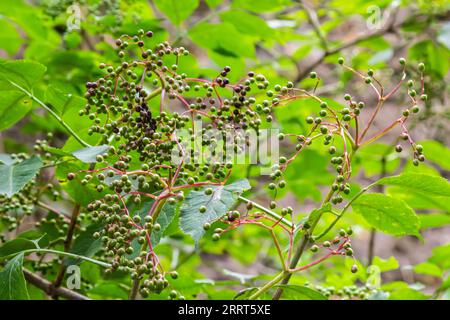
(422, 183)
(177, 11)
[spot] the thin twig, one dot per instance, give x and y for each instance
(46, 286)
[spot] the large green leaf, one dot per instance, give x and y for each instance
(14, 104)
(387, 214)
(295, 292)
(21, 72)
(13, 177)
(217, 204)
(12, 281)
(421, 183)
(177, 11)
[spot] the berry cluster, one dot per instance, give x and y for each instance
(131, 107)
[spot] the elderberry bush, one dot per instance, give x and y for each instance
(149, 168)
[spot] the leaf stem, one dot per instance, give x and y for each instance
(62, 253)
(268, 285)
(269, 212)
(361, 192)
(52, 113)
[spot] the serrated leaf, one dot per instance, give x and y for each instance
(217, 204)
(387, 214)
(12, 281)
(14, 177)
(89, 154)
(421, 183)
(177, 11)
(428, 268)
(295, 292)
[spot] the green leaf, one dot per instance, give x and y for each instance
(312, 219)
(385, 264)
(407, 294)
(109, 290)
(421, 183)
(16, 245)
(21, 72)
(89, 154)
(221, 37)
(14, 177)
(295, 292)
(433, 220)
(177, 11)
(244, 294)
(61, 101)
(82, 194)
(217, 204)
(437, 152)
(85, 244)
(165, 217)
(441, 256)
(434, 55)
(428, 268)
(247, 23)
(213, 3)
(12, 281)
(10, 39)
(14, 105)
(387, 214)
